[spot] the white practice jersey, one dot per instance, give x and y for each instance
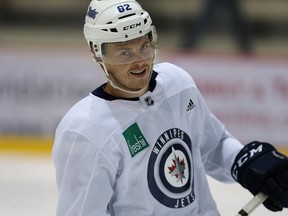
(146, 156)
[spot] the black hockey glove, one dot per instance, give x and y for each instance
(260, 167)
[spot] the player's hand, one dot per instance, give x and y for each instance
(260, 167)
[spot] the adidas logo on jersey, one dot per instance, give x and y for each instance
(190, 106)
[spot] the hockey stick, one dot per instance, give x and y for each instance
(252, 204)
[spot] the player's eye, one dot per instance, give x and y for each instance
(145, 47)
(126, 53)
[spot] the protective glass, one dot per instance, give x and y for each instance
(128, 56)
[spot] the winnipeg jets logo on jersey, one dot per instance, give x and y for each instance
(178, 168)
(170, 169)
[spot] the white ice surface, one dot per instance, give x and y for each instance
(27, 188)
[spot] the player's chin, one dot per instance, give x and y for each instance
(142, 83)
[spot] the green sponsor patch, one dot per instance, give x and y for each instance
(135, 140)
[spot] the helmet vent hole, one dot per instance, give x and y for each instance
(113, 30)
(109, 22)
(145, 21)
(128, 15)
(95, 47)
(104, 30)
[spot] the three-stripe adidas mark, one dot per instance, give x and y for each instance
(190, 106)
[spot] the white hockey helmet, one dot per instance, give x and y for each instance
(109, 21)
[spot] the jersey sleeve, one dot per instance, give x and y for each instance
(218, 148)
(84, 176)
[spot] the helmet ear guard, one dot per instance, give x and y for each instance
(94, 50)
(109, 21)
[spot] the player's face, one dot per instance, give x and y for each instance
(129, 64)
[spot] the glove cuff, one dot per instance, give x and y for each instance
(249, 153)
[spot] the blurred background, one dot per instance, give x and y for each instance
(237, 52)
(257, 26)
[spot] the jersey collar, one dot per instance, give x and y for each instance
(99, 92)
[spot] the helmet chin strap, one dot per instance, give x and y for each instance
(113, 84)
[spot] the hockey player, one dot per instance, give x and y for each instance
(142, 143)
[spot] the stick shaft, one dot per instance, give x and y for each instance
(252, 204)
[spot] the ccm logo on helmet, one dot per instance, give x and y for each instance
(131, 26)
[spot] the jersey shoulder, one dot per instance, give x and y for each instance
(176, 78)
(174, 73)
(75, 116)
